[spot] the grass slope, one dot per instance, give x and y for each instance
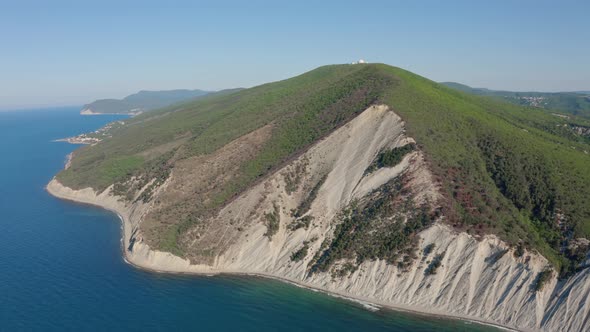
(503, 169)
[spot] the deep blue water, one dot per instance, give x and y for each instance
(61, 266)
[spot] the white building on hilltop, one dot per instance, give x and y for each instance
(361, 61)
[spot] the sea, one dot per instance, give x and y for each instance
(61, 267)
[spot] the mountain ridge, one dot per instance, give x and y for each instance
(301, 172)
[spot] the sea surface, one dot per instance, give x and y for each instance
(61, 266)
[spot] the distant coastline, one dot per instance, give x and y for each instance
(142, 101)
(74, 140)
(132, 113)
(94, 137)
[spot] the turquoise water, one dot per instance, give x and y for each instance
(61, 266)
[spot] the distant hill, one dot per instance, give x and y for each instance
(141, 102)
(574, 103)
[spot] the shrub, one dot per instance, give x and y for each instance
(427, 250)
(273, 220)
(300, 254)
(390, 158)
(519, 251)
(434, 264)
(542, 278)
(304, 222)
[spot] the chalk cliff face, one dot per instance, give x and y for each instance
(479, 279)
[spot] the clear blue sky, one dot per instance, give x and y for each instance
(68, 53)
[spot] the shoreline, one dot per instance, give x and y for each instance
(211, 272)
(72, 140)
(89, 112)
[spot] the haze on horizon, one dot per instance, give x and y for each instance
(70, 53)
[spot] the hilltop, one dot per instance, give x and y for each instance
(141, 102)
(351, 176)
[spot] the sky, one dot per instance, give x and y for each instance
(72, 52)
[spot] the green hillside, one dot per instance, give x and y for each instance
(517, 172)
(572, 103)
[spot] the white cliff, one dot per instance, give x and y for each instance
(479, 279)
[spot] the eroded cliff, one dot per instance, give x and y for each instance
(292, 225)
